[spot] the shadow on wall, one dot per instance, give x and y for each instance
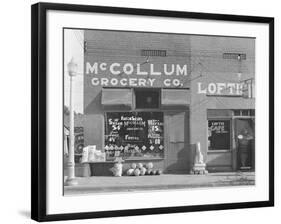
(179, 153)
(219, 162)
(182, 161)
(95, 106)
(219, 159)
(24, 213)
(185, 160)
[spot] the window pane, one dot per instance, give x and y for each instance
(252, 112)
(245, 112)
(218, 134)
(237, 113)
(134, 135)
(147, 99)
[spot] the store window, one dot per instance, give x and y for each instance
(147, 99)
(132, 135)
(244, 112)
(219, 134)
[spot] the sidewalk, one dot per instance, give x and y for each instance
(97, 184)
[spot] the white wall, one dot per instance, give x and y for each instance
(15, 110)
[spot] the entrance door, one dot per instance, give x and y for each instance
(245, 141)
(177, 143)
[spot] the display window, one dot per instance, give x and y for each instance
(133, 135)
(219, 134)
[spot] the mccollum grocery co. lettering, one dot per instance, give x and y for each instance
(136, 75)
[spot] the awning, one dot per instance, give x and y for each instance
(175, 97)
(116, 97)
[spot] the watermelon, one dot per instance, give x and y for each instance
(158, 172)
(136, 172)
(149, 165)
(142, 171)
(130, 172)
(133, 166)
(139, 165)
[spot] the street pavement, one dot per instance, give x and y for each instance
(101, 184)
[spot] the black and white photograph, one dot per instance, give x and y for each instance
(141, 112)
(147, 111)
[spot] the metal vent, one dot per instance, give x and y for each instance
(154, 53)
(237, 56)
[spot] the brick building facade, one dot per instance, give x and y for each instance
(150, 97)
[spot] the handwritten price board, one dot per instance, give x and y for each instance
(137, 134)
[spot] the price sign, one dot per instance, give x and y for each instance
(134, 133)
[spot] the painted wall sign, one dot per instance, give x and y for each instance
(134, 134)
(220, 89)
(117, 74)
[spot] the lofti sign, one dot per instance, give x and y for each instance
(221, 88)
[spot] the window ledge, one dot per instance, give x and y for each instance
(219, 150)
(143, 158)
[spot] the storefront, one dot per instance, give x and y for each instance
(150, 97)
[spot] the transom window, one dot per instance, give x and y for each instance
(147, 99)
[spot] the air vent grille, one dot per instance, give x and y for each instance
(154, 53)
(237, 56)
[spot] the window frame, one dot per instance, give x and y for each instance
(134, 158)
(135, 108)
(230, 134)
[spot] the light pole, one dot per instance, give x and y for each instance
(71, 181)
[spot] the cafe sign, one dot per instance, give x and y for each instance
(127, 74)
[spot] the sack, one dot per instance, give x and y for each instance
(117, 169)
(85, 157)
(95, 155)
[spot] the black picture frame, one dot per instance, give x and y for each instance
(39, 109)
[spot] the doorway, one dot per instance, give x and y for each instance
(245, 142)
(177, 155)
